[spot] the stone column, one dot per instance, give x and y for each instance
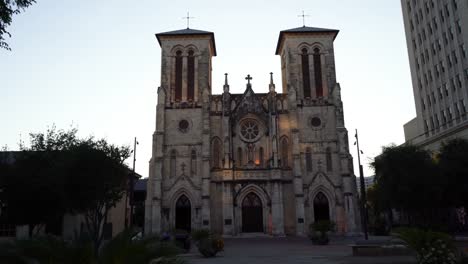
(228, 214)
(324, 75)
(206, 212)
(206, 153)
(154, 192)
(298, 184)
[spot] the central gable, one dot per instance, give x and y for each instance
(249, 104)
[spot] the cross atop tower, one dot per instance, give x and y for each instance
(248, 78)
(303, 18)
(188, 17)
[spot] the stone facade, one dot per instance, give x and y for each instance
(253, 162)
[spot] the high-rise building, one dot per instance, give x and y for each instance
(437, 40)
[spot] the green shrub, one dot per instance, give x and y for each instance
(208, 244)
(200, 234)
(318, 231)
(121, 249)
(430, 247)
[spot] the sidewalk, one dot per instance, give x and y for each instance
(267, 250)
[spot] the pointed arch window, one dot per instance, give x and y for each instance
(190, 75)
(216, 158)
(308, 159)
(318, 73)
(239, 157)
(305, 72)
(173, 163)
(284, 153)
(329, 160)
(193, 163)
(178, 76)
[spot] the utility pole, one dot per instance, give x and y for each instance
(132, 182)
(363, 190)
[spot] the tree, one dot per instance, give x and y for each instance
(31, 193)
(63, 173)
(95, 176)
(406, 179)
(8, 8)
(96, 182)
(454, 171)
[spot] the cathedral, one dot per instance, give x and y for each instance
(257, 162)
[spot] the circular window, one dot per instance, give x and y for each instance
(250, 130)
(315, 122)
(183, 125)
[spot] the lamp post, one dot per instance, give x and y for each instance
(132, 183)
(363, 190)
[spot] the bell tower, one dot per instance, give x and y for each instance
(307, 61)
(179, 167)
(186, 59)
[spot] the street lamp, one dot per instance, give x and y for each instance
(132, 184)
(363, 189)
(129, 196)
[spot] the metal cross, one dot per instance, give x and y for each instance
(303, 18)
(248, 78)
(188, 17)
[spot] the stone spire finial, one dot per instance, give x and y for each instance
(272, 85)
(226, 85)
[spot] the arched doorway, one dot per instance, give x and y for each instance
(252, 214)
(183, 216)
(321, 207)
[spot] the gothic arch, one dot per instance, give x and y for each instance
(317, 45)
(174, 198)
(321, 207)
(310, 47)
(303, 46)
(185, 50)
(262, 193)
(192, 48)
(177, 48)
(173, 163)
(317, 61)
(308, 159)
(329, 159)
(179, 192)
(305, 72)
(216, 152)
(329, 193)
(279, 105)
(264, 198)
(285, 147)
(193, 162)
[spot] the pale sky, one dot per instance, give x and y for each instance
(95, 64)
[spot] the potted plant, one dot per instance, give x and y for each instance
(208, 244)
(318, 231)
(182, 239)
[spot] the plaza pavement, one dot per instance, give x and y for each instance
(268, 250)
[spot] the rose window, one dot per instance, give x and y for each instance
(249, 130)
